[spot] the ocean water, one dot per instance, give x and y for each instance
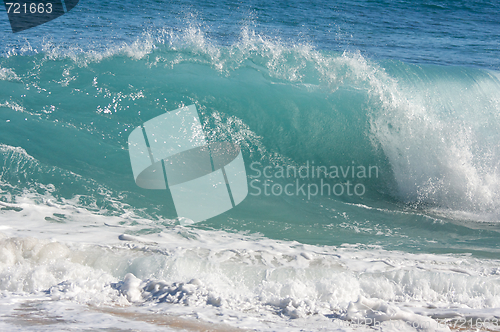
(397, 101)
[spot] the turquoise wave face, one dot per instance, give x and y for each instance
(337, 148)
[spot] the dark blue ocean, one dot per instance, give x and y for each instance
(388, 112)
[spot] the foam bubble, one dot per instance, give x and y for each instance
(7, 74)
